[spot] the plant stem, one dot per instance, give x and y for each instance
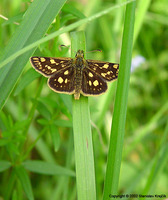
(120, 107)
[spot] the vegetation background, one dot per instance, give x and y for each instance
(36, 123)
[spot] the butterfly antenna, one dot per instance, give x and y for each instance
(99, 50)
(62, 45)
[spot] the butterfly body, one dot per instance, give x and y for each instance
(76, 76)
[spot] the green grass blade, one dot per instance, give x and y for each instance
(119, 116)
(46, 168)
(159, 164)
(156, 171)
(34, 25)
(84, 160)
(27, 78)
(142, 7)
(148, 127)
(9, 189)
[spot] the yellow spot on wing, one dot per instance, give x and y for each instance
(52, 61)
(115, 66)
(96, 83)
(60, 80)
(103, 74)
(90, 83)
(42, 59)
(106, 66)
(66, 80)
(47, 66)
(66, 72)
(53, 70)
(90, 74)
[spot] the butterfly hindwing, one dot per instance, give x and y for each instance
(92, 84)
(48, 66)
(63, 81)
(108, 71)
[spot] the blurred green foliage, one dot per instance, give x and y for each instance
(36, 123)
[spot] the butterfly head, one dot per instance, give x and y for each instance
(79, 58)
(80, 54)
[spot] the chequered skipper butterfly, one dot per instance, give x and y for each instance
(76, 76)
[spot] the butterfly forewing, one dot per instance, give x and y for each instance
(92, 83)
(108, 71)
(48, 65)
(63, 82)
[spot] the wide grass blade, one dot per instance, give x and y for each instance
(35, 23)
(84, 160)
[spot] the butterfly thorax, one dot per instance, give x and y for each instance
(78, 66)
(79, 59)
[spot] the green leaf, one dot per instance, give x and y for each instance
(43, 110)
(4, 121)
(13, 149)
(42, 167)
(4, 141)
(63, 123)
(55, 136)
(25, 181)
(4, 165)
(43, 121)
(74, 11)
(14, 19)
(67, 99)
(48, 101)
(19, 125)
(15, 195)
(26, 79)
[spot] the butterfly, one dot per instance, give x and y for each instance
(76, 76)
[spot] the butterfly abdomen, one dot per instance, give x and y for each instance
(78, 82)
